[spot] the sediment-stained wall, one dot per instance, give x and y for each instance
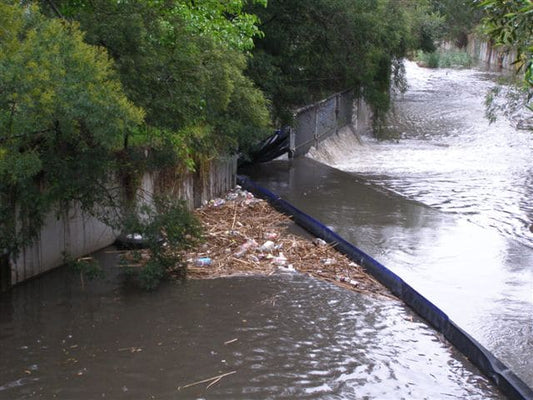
(75, 233)
(494, 56)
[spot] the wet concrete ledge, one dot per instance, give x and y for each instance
(509, 384)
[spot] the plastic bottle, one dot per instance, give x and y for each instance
(203, 261)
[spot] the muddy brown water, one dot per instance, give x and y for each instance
(285, 336)
(448, 206)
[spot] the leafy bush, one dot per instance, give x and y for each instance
(455, 59)
(166, 228)
(63, 112)
(87, 267)
(444, 59)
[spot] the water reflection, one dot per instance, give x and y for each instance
(285, 336)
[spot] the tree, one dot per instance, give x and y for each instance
(183, 63)
(62, 113)
(510, 23)
(312, 48)
(460, 18)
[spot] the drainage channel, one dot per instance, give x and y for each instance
(511, 385)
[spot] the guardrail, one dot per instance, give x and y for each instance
(316, 122)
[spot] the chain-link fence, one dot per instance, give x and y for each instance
(318, 121)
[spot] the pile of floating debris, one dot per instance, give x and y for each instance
(245, 235)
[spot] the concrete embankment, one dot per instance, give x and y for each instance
(497, 57)
(74, 233)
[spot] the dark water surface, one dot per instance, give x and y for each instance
(448, 207)
(287, 336)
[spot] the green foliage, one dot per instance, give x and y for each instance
(429, 60)
(62, 114)
(166, 227)
(426, 25)
(150, 276)
(434, 22)
(87, 267)
(459, 19)
(510, 99)
(444, 59)
(455, 59)
(510, 23)
(224, 22)
(183, 62)
(52, 81)
(313, 48)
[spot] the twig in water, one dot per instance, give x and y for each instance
(212, 380)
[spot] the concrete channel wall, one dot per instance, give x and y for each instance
(75, 233)
(318, 121)
(496, 57)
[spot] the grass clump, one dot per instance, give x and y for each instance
(444, 59)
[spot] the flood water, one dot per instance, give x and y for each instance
(286, 336)
(448, 206)
(448, 156)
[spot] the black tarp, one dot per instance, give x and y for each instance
(269, 148)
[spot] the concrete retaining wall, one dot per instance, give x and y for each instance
(493, 56)
(75, 233)
(72, 232)
(318, 121)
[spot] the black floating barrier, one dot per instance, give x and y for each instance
(506, 381)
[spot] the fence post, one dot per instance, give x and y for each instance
(315, 132)
(292, 142)
(337, 101)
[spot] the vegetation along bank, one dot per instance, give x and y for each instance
(95, 93)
